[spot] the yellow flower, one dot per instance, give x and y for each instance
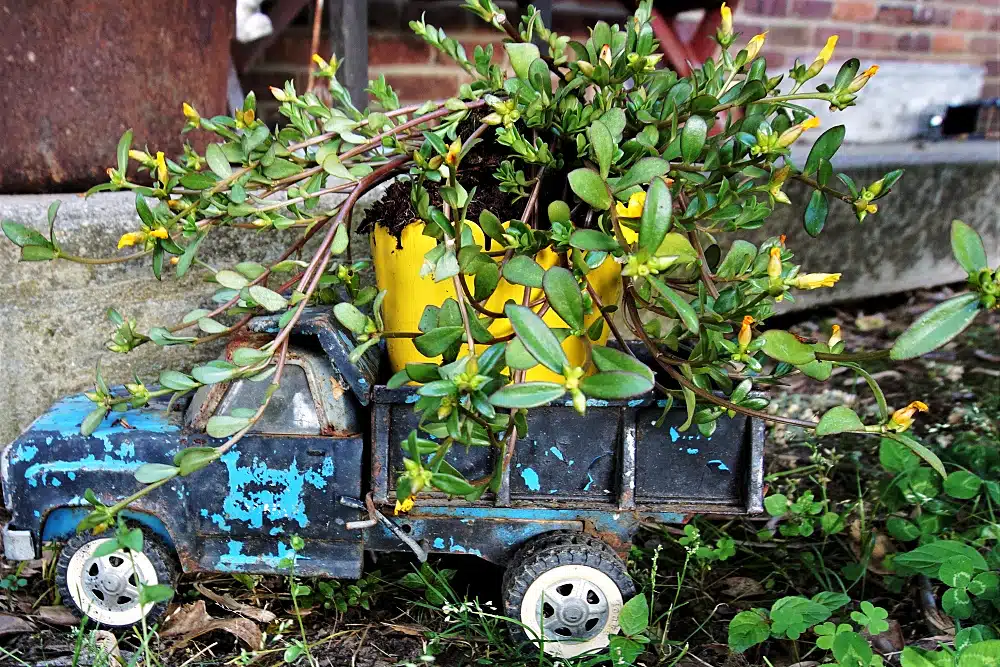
(860, 80)
(774, 263)
(745, 333)
(827, 52)
(816, 280)
(191, 113)
(789, 136)
(606, 54)
(451, 159)
(834, 336)
(635, 204)
(726, 25)
(131, 238)
(902, 419)
(141, 157)
(161, 168)
(322, 64)
(754, 46)
(174, 260)
(404, 506)
(159, 233)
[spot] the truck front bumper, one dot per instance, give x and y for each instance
(18, 544)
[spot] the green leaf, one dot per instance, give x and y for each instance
(212, 373)
(217, 161)
(839, 419)
(486, 280)
(613, 385)
(281, 168)
(93, 420)
(956, 602)
(831, 600)
(267, 298)
(177, 381)
(967, 246)
(333, 166)
(223, 426)
(928, 558)
(962, 484)
(603, 145)
(563, 293)
(247, 356)
(131, 539)
(149, 473)
(210, 326)
(592, 239)
(655, 221)
(693, 138)
(124, 144)
(634, 617)
(341, 240)
(791, 616)
(983, 654)
(537, 338)
(738, 260)
(610, 359)
(198, 181)
(957, 572)
(523, 270)
(828, 143)
(747, 629)
(37, 253)
(920, 450)
(783, 346)
(642, 171)
(154, 594)
(936, 327)
(588, 185)
(685, 311)
(815, 216)
(191, 459)
(521, 54)
(776, 504)
(621, 651)
(51, 215)
(350, 317)
(231, 279)
(850, 648)
(23, 236)
(450, 484)
(527, 394)
(436, 341)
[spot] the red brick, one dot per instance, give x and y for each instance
(418, 87)
(812, 9)
(746, 30)
(846, 38)
(876, 40)
(929, 16)
(992, 67)
(985, 46)
(991, 88)
(854, 11)
(948, 42)
(775, 60)
(765, 7)
(914, 42)
(964, 18)
(894, 15)
(685, 29)
(995, 23)
(990, 3)
(789, 35)
(398, 50)
(294, 47)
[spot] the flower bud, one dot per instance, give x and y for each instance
(860, 80)
(789, 136)
(902, 419)
(191, 114)
(774, 264)
(726, 24)
(161, 169)
(745, 333)
(754, 46)
(815, 280)
(834, 336)
(823, 58)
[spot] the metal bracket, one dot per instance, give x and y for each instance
(375, 516)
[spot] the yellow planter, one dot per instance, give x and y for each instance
(397, 270)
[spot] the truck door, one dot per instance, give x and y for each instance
(282, 479)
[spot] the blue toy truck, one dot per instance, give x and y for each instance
(321, 464)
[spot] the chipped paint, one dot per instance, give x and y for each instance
(25, 453)
(722, 466)
(439, 543)
(90, 463)
(556, 452)
(590, 481)
(237, 561)
(674, 435)
(280, 498)
(692, 450)
(530, 478)
(66, 416)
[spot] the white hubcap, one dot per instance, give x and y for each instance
(106, 588)
(574, 608)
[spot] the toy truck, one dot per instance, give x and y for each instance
(321, 464)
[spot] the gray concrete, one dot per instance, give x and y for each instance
(54, 312)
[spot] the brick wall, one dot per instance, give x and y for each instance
(944, 31)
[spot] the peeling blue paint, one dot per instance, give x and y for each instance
(277, 530)
(66, 416)
(220, 521)
(439, 543)
(674, 435)
(282, 495)
(237, 561)
(458, 548)
(413, 398)
(636, 402)
(530, 479)
(89, 463)
(590, 480)
(556, 452)
(722, 466)
(328, 467)
(24, 453)
(692, 450)
(71, 475)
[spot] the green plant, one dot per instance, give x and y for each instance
(13, 582)
(341, 596)
(614, 157)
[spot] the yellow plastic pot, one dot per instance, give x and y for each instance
(397, 270)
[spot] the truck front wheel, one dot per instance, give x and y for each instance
(105, 588)
(568, 592)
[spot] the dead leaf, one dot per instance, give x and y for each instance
(871, 322)
(227, 601)
(57, 615)
(890, 641)
(882, 547)
(193, 620)
(741, 587)
(411, 630)
(14, 625)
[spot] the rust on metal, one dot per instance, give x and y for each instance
(78, 73)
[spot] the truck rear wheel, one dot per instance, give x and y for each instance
(568, 590)
(105, 589)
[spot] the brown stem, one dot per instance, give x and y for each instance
(475, 304)
(842, 196)
(706, 275)
(314, 47)
(607, 317)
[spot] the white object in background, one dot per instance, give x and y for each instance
(898, 100)
(251, 23)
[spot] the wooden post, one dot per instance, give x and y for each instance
(349, 38)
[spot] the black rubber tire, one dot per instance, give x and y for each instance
(159, 555)
(552, 550)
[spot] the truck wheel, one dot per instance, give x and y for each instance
(567, 589)
(105, 589)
